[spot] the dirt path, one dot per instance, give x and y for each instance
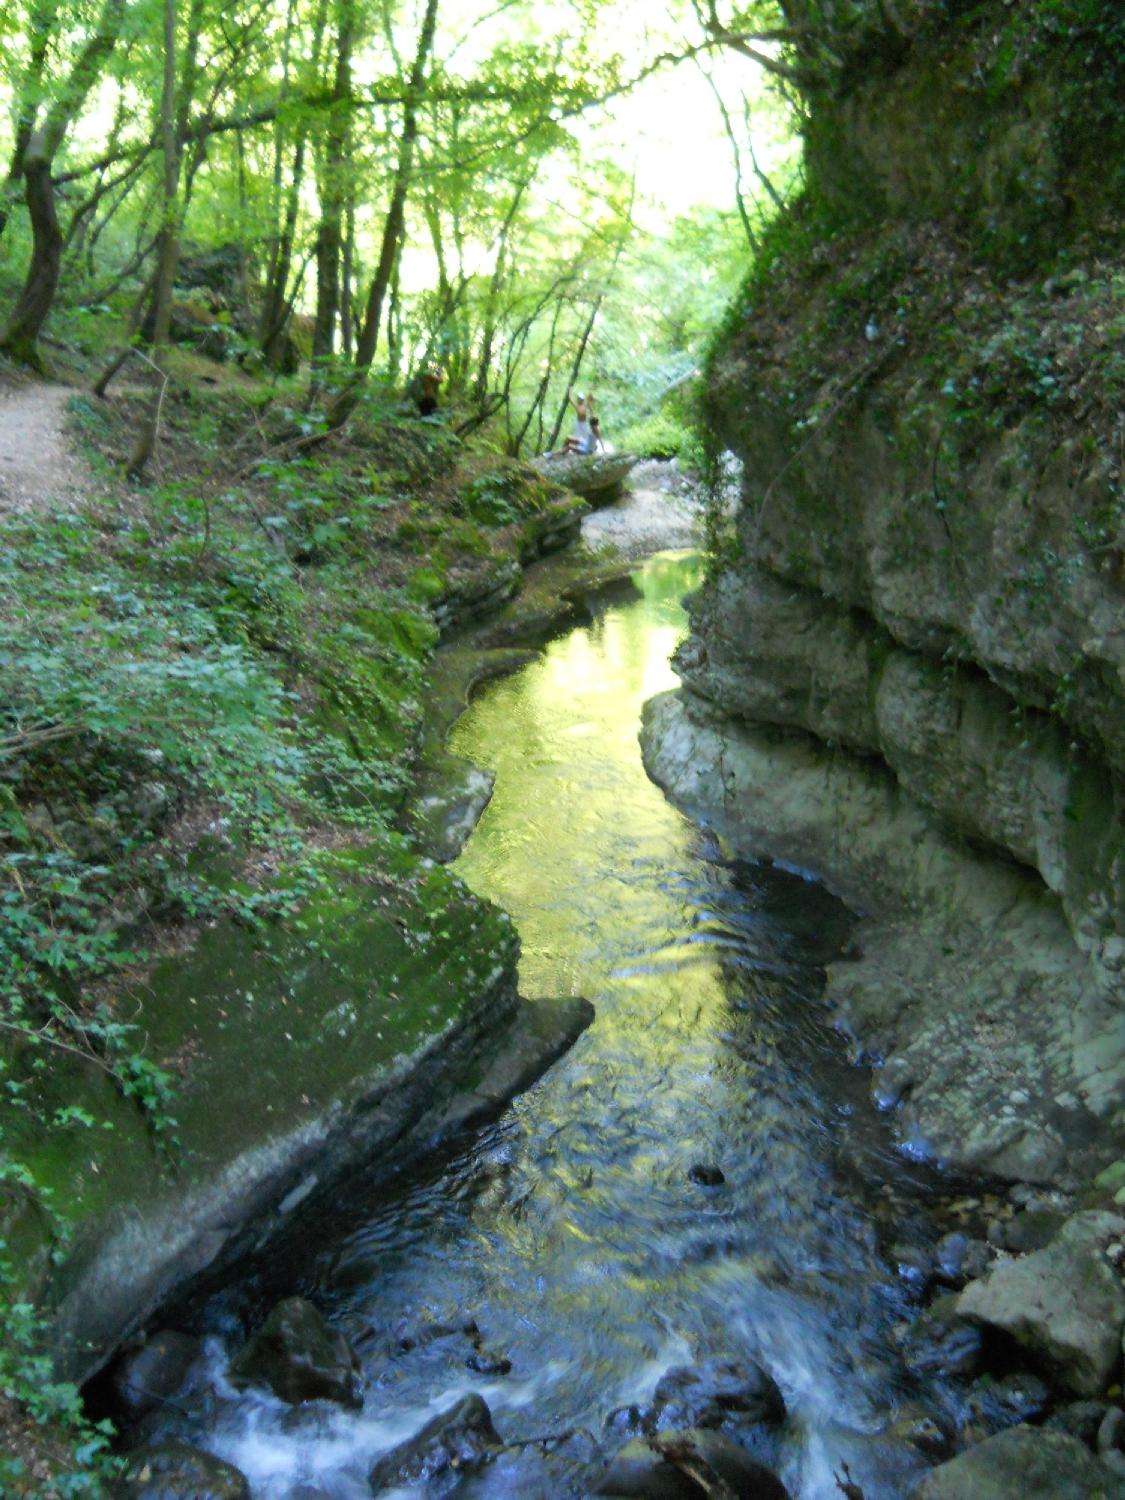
(37, 466)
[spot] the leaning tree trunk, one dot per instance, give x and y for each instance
(43, 23)
(38, 294)
(278, 297)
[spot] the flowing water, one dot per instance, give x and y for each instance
(571, 1230)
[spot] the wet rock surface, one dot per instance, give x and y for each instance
(996, 1404)
(1079, 1419)
(958, 1258)
(300, 1358)
(939, 1343)
(1000, 1051)
(457, 1442)
(685, 1466)
(708, 1394)
(954, 740)
(1018, 1464)
(922, 1430)
(176, 1470)
(1064, 1304)
(541, 1031)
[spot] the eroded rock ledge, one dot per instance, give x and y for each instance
(908, 671)
(994, 1037)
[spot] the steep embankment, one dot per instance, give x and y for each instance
(924, 382)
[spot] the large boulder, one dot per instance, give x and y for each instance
(299, 1357)
(1019, 1464)
(686, 1466)
(174, 1470)
(458, 1440)
(1064, 1304)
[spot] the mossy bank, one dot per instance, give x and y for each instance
(229, 976)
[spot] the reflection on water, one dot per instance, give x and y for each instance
(571, 1230)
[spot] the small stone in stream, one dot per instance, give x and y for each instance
(146, 1378)
(1079, 1419)
(175, 1470)
(922, 1430)
(914, 1266)
(1032, 1230)
(485, 1363)
(659, 1468)
(416, 1333)
(996, 1404)
(960, 1259)
(458, 1441)
(630, 1421)
(299, 1357)
(939, 1343)
(705, 1175)
(705, 1395)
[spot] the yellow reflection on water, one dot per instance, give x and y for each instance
(576, 834)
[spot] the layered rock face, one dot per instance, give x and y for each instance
(924, 384)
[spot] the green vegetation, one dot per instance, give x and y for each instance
(212, 690)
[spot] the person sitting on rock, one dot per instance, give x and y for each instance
(428, 387)
(582, 440)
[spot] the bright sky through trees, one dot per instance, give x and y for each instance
(515, 193)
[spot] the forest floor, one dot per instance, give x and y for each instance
(37, 463)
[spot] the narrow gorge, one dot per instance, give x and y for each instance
(562, 750)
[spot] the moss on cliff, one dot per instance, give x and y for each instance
(924, 374)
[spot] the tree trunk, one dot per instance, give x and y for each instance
(396, 212)
(27, 104)
(277, 302)
(589, 328)
(38, 295)
(393, 227)
(169, 244)
(488, 335)
(334, 167)
(347, 277)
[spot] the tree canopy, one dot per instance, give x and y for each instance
(372, 188)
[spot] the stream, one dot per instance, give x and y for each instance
(571, 1230)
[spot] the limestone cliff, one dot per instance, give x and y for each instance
(924, 382)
